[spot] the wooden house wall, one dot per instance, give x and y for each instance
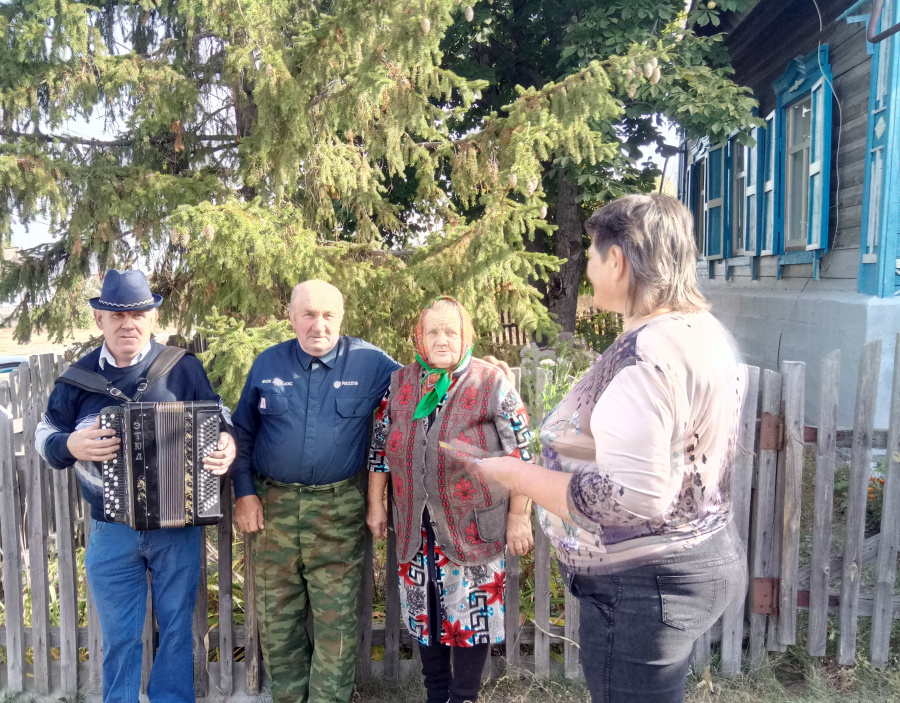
(762, 46)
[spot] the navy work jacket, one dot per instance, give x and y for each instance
(305, 419)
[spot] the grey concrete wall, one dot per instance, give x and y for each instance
(771, 326)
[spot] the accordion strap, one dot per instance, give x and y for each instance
(93, 382)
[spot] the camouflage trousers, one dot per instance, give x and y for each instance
(309, 553)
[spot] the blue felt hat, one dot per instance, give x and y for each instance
(125, 290)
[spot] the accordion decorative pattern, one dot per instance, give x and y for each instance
(157, 479)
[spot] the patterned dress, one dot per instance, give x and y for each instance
(466, 604)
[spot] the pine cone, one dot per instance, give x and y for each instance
(648, 70)
(513, 180)
(185, 239)
(543, 212)
(632, 89)
(657, 74)
(209, 232)
(426, 25)
(470, 14)
(530, 187)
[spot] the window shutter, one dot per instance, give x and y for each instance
(715, 202)
(750, 205)
(767, 240)
(819, 164)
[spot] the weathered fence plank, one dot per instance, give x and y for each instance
(571, 650)
(201, 626)
(890, 530)
(741, 480)
(11, 527)
(392, 604)
(701, 656)
(863, 423)
(95, 636)
(541, 605)
(251, 621)
(148, 639)
(761, 558)
(794, 378)
(820, 571)
(224, 546)
(366, 596)
(36, 521)
(511, 615)
(68, 590)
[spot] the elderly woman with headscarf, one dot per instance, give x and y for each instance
(451, 526)
(638, 459)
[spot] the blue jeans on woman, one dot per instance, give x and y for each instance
(118, 559)
(638, 627)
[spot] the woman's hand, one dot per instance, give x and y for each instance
(519, 538)
(376, 519)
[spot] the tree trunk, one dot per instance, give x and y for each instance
(562, 291)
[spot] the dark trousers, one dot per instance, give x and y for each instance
(638, 627)
(463, 682)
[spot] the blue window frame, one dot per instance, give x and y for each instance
(799, 158)
(879, 272)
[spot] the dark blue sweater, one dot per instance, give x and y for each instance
(70, 409)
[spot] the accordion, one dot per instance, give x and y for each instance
(157, 477)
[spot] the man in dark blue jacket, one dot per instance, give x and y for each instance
(303, 425)
(119, 557)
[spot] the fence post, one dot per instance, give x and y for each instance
(863, 424)
(762, 558)
(741, 480)
(226, 594)
(571, 649)
(148, 639)
(541, 605)
(890, 530)
(826, 451)
(511, 616)
(392, 604)
(68, 590)
(794, 375)
(200, 629)
(11, 527)
(251, 621)
(366, 595)
(36, 521)
(95, 636)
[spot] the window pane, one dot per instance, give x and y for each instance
(799, 122)
(751, 224)
(715, 174)
(715, 231)
(699, 202)
(798, 198)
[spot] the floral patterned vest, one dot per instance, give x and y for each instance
(468, 517)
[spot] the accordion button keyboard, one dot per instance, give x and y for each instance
(207, 440)
(113, 493)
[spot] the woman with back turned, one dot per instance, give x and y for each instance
(638, 459)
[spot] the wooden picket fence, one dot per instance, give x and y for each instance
(42, 525)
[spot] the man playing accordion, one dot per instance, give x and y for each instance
(119, 557)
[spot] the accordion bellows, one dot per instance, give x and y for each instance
(157, 479)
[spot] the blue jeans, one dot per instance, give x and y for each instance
(638, 627)
(118, 559)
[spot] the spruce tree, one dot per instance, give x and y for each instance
(242, 146)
